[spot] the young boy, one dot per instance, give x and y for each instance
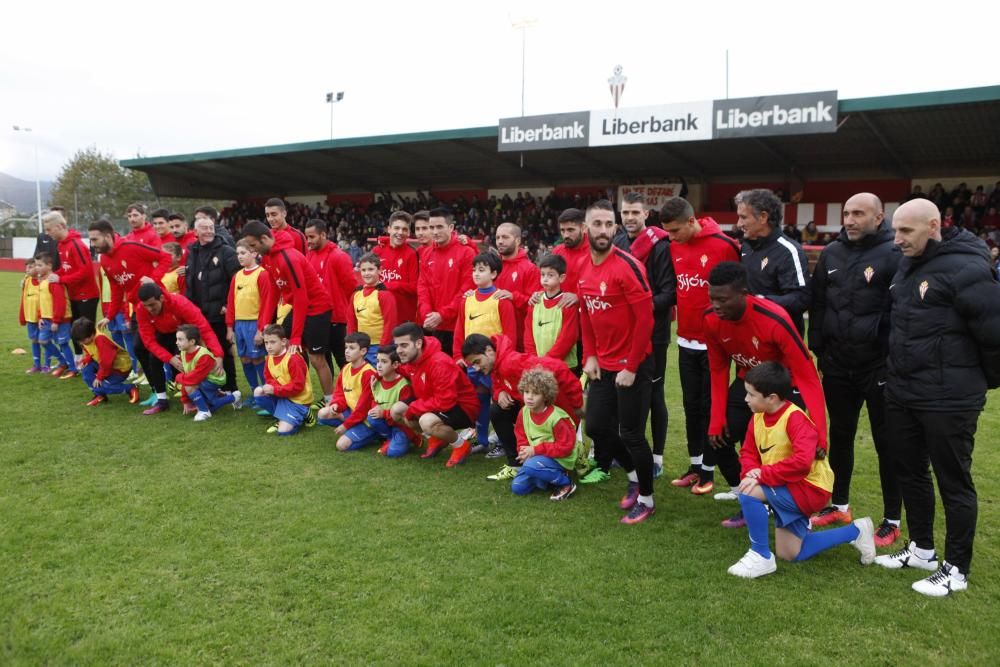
(199, 378)
(481, 313)
(286, 393)
(546, 438)
(386, 390)
(245, 317)
(54, 318)
(105, 363)
(783, 465)
(172, 282)
(550, 330)
(354, 381)
(373, 307)
(29, 316)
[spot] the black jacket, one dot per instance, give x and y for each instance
(849, 314)
(944, 344)
(662, 282)
(777, 269)
(209, 270)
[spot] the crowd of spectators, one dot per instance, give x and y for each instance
(976, 210)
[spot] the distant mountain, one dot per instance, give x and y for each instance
(22, 193)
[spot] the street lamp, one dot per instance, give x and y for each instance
(331, 99)
(523, 25)
(38, 182)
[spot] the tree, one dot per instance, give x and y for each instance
(92, 184)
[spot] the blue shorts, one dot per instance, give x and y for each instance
(361, 435)
(787, 514)
(283, 409)
(33, 332)
(117, 325)
(244, 332)
(45, 333)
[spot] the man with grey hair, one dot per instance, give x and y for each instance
(76, 270)
(944, 353)
(849, 333)
(776, 265)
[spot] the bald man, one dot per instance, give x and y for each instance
(944, 352)
(519, 279)
(849, 332)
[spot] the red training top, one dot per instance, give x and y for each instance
(126, 264)
(76, 268)
(176, 310)
(438, 383)
(336, 273)
(693, 261)
(400, 272)
(446, 274)
(295, 281)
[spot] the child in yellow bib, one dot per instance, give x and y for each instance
(372, 309)
(29, 316)
(286, 392)
(784, 466)
(354, 387)
(546, 439)
(106, 364)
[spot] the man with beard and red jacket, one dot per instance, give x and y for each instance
(651, 246)
(445, 276)
(141, 231)
(336, 272)
(158, 315)
(444, 401)
(519, 278)
(285, 236)
(496, 357)
(76, 270)
(127, 265)
(400, 269)
(696, 246)
(296, 282)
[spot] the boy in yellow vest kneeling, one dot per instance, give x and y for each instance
(546, 439)
(783, 465)
(286, 393)
(106, 364)
(201, 376)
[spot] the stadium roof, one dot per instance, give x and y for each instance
(898, 136)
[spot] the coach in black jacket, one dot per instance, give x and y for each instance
(211, 264)
(651, 246)
(776, 265)
(849, 332)
(944, 352)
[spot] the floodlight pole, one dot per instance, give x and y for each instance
(331, 99)
(38, 182)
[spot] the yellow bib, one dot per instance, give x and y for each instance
(369, 314)
(30, 291)
(279, 371)
(482, 317)
(45, 299)
(122, 362)
(774, 445)
(170, 282)
(350, 382)
(246, 301)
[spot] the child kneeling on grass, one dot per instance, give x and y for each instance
(782, 465)
(353, 383)
(201, 376)
(105, 364)
(546, 438)
(286, 393)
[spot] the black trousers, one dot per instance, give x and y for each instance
(658, 415)
(738, 416)
(616, 422)
(845, 394)
(503, 421)
(152, 366)
(336, 352)
(922, 440)
(85, 308)
(696, 388)
(446, 339)
(228, 363)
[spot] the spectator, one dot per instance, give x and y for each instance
(810, 235)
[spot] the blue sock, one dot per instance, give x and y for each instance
(129, 346)
(755, 512)
(260, 372)
(483, 420)
(52, 352)
(199, 401)
(813, 543)
(36, 353)
(67, 355)
(250, 373)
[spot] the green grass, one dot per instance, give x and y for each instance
(153, 540)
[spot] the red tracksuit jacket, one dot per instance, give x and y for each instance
(126, 264)
(400, 272)
(446, 274)
(438, 383)
(76, 268)
(177, 310)
(295, 281)
(693, 261)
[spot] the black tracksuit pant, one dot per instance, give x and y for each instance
(85, 308)
(696, 388)
(616, 422)
(658, 415)
(504, 421)
(922, 440)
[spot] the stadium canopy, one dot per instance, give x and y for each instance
(899, 136)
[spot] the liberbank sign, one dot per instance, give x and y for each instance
(801, 113)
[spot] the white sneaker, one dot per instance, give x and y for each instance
(946, 580)
(494, 439)
(865, 541)
(753, 565)
(907, 558)
(237, 399)
(726, 495)
(202, 416)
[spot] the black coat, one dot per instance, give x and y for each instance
(209, 271)
(662, 282)
(778, 270)
(944, 344)
(849, 314)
